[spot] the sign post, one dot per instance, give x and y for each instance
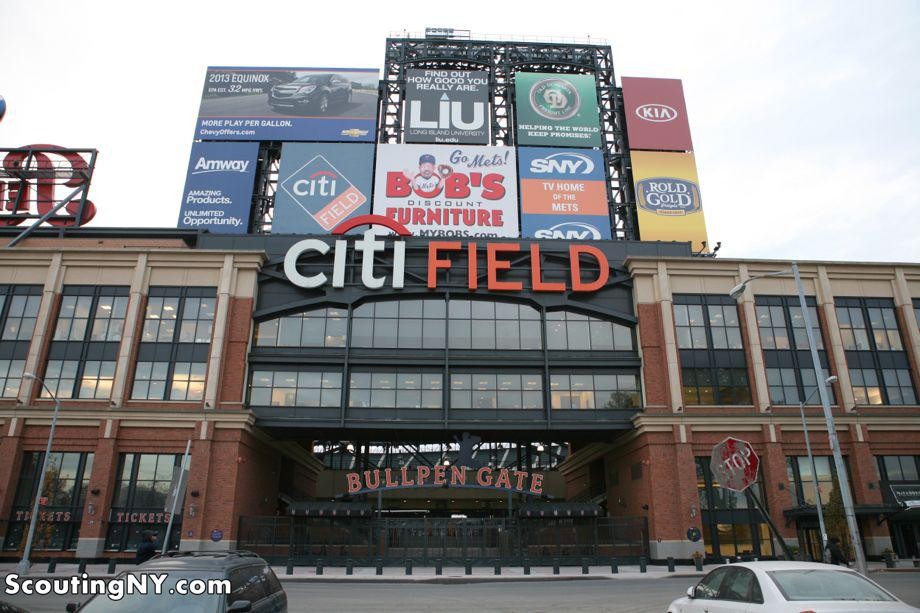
(734, 464)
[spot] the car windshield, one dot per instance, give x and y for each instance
(167, 601)
(808, 584)
(311, 78)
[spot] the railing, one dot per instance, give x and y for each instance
(428, 541)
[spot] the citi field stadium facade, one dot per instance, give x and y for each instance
(365, 375)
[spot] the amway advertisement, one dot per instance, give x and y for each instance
(656, 115)
(668, 198)
(321, 185)
(218, 187)
(288, 104)
(556, 109)
(563, 194)
(446, 190)
(447, 106)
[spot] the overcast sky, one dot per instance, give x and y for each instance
(805, 115)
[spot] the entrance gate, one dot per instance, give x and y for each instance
(450, 541)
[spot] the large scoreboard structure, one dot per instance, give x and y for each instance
(459, 137)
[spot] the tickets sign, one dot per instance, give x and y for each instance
(448, 191)
(321, 185)
(563, 194)
(559, 110)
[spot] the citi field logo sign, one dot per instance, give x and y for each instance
(668, 196)
(563, 163)
(323, 192)
(570, 230)
(656, 113)
(555, 99)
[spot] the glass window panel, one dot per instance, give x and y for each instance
(459, 334)
(578, 336)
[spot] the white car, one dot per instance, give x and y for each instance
(786, 587)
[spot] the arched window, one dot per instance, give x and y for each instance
(570, 330)
(315, 328)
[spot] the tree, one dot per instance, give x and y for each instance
(835, 519)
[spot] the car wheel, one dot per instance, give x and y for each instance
(323, 105)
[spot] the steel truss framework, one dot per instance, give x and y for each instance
(502, 60)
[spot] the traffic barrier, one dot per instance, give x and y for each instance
(643, 563)
(670, 564)
(614, 567)
(111, 568)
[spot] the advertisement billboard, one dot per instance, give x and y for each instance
(668, 197)
(218, 187)
(563, 194)
(288, 104)
(559, 110)
(321, 185)
(656, 115)
(447, 106)
(447, 190)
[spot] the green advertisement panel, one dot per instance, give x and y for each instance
(558, 110)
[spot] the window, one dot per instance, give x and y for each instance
(141, 490)
(723, 386)
(187, 381)
(882, 326)
(787, 357)
(878, 365)
(315, 328)
(899, 467)
(18, 310)
(732, 524)
(399, 389)
(405, 324)
(295, 389)
(21, 315)
(480, 324)
(84, 348)
(594, 391)
(173, 352)
(66, 482)
(692, 320)
(712, 359)
(11, 377)
(799, 473)
(496, 391)
(574, 331)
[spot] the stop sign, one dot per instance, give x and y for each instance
(734, 464)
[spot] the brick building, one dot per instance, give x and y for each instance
(616, 393)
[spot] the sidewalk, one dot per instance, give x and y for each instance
(451, 574)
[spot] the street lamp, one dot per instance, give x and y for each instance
(839, 466)
(23, 566)
(814, 472)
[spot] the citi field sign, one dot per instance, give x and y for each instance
(495, 257)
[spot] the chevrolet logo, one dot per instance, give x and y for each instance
(354, 132)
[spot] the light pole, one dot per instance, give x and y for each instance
(814, 473)
(23, 566)
(842, 478)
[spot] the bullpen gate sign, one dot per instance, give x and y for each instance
(734, 464)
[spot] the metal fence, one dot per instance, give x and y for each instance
(428, 541)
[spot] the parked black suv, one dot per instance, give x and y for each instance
(316, 92)
(253, 585)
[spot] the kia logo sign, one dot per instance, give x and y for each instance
(656, 113)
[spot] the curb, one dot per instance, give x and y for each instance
(482, 579)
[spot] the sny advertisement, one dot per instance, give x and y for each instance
(286, 104)
(218, 187)
(563, 194)
(321, 185)
(557, 110)
(447, 106)
(448, 191)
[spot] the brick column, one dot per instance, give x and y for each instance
(220, 330)
(10, 465)
(654, 359)
(670, 336)
(773, 470)
(864, 483)
(93, 528)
